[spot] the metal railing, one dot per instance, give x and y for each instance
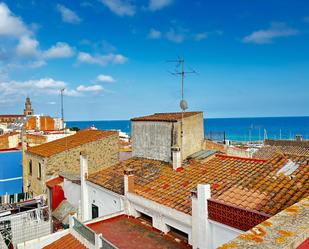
(106, 244)
(84, 231)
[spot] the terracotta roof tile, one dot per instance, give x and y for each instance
(55, 181)
(63, 144)
(168, 117)
(255, 186)
(68, 241)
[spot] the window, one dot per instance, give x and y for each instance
(178, 234)
(39, 171)
(30, 167)
(146, 218)
(95, 211)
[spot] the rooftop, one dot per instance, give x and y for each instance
(63, 144)
(68, 241)
(127, 232)
(268, 152)
(288, 229)
(167, 117)
(251, 184)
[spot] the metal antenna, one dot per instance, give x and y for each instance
(62, 114)
(183, 104)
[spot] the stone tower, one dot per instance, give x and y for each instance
(28, 108)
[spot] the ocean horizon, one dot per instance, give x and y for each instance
(235, 129)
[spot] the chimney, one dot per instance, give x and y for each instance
(128, 181)
(176, 158)
(299, 138)
(201, 237)
(84, 187)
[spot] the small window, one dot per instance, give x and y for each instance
(39, 171)
(146, 218)
(30, 167)
(95, 211)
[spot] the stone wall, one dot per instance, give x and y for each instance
(9, 141)
(210, 145)
(193, 134)
(233, 151)
(152, 140)
(101, 153)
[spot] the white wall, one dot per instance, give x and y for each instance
(222, 234)
(72, 192)
(107, 201)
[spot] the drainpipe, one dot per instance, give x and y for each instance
(201, 233)
(84, 187)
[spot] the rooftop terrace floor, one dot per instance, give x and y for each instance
(127, 232)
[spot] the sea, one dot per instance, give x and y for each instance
(235, 129)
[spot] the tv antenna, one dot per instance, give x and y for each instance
(180, 63)
(62, 114)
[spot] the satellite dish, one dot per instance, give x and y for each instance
(183, 105)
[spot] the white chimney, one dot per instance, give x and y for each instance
(128, 181)
(201, 232)
(84, 187)
(176, 158)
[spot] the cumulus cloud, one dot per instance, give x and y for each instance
(266, 36)
(154, 34)
(16, 90)
(120, 7)
(59, 50)
(10, 25)
(27, 47)
(102, 60)
(105, 78)
(91, 88)
(175, 36)
(201, 36)
(159, 4)
(68, 15)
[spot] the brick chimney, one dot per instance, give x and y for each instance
(128, 181)
(176, 158)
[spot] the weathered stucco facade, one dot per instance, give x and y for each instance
(101, 153)
(155, 139)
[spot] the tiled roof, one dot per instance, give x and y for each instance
(68, 242)
(11, 115)
(63, 144)
(247, 183)
(268, 152)
(167, 117)
(55, 181)
(287, 229)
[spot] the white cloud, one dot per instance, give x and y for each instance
(102, 60)
(51, 103)
(201, 36)
(68, 16)
(120, 7)
(59, 50)
(91, 88)
(266, 36)
(27, 47)
(154, 34)
(159, 4)
(11, 25)
(175, 36)
(105, 78)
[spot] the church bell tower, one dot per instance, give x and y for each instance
(28, 108)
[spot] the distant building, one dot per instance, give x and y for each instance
(43, 123)
(28, 111)
(62, 155)
(9, 141)
(156, 136)
(12, 118)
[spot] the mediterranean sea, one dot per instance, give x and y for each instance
(236, 129)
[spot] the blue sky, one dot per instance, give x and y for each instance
(252, 57)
